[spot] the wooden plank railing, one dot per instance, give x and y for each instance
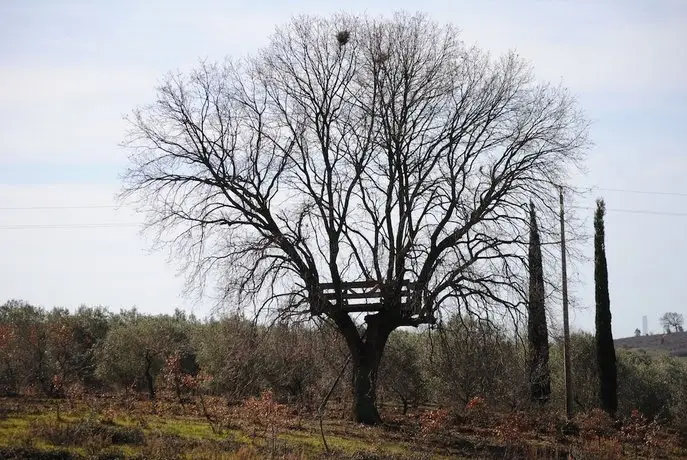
(362, 291)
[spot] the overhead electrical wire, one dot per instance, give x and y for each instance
(637, 211)
(581, 189)
(123, 225)
(40, 208)
(132, 224)
(639, 192)
(68, 226)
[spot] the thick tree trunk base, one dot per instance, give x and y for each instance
(365, 411)
(364, 394)
(366, 353)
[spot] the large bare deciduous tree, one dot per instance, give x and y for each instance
(355, 149)
(672, 320)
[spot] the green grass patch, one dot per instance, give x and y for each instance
(369, 441)
(13, 428)
(183, 427)
(334, 442)
(194, 429)
(86, 436)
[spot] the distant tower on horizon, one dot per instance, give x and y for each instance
(645, 325)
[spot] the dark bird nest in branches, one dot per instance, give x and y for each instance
(343, 37)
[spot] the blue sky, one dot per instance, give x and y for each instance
(69, 71)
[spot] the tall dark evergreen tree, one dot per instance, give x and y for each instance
(605, 350)
(537, 330)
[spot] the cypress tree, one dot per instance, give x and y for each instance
(537, 330)
(605, 350)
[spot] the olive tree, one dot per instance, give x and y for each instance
(474, 357)
(355, 149)
(24, 348)
(136, 347)
(401, 369)
(230, 350)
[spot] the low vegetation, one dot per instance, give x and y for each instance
(227, 388)
(107, 427)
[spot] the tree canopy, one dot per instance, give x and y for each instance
(355, 149)
(400, 153)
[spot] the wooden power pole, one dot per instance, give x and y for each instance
(566, 326)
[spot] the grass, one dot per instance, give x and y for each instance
(13, 428)
(82, 435)
(185, 428)
(105, 429)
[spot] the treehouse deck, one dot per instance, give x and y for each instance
(364, 296)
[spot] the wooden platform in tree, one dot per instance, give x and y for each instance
(363, 296)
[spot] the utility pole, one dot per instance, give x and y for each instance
(566, 326)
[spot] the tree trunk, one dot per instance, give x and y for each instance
(366, 354)
(149, 377)
(177, 388)
(364, 394)
(151, 386)
(366, 358)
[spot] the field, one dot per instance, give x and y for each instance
(674, 344)
(118, 426)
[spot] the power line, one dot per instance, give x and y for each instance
(642, 192)
(581, 189)
(67, 226)
(638, 211)
(639, 192)
(132, 224)
(32, 208)
(116, 225)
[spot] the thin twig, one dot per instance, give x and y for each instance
(326, 398)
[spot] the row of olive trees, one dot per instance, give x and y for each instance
(36, 346)
(462, 358)
(46, 351)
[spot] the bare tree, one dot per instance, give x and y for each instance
(672, 320)
(355, 149)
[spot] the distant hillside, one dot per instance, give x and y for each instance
(674, 344)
